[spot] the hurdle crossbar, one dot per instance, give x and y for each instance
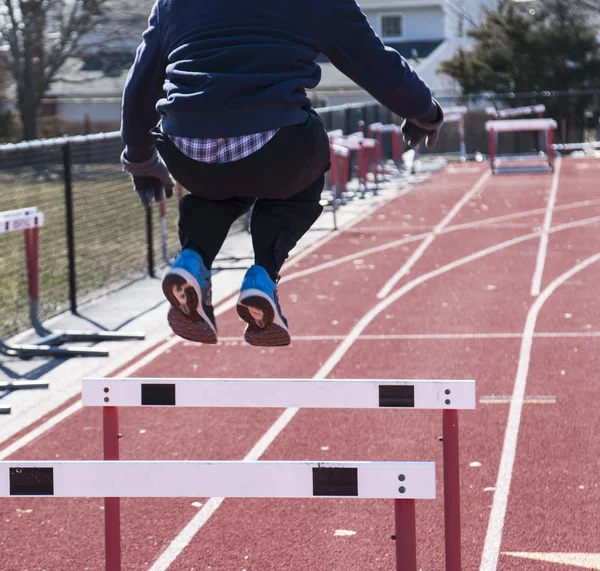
(21, 219)
(223, 479)
(538, 110)
(280, 393)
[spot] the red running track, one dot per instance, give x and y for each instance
(464, 309)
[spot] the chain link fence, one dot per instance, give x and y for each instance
(96, 237)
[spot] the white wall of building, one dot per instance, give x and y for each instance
(93, 110)
(418, 22)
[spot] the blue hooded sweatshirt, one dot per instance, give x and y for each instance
(224, 68)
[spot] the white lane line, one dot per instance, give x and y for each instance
(183, 539)
(536, 283)
(38, 431)
(431, 336)
(373, 313)
(403, 241)
(346, 226)
(493, 538)
(186, 535)
(416, 256)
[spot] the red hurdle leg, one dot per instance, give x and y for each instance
(112, 506)
(461, 135)
(550, 149)
(32, 254)
(406, 535)
(451, 490)
(492, 148)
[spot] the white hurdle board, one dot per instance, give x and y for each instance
(21, 219)
(512, 125)
(223, 479)
(280, 393)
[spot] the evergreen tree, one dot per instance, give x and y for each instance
(523, 47)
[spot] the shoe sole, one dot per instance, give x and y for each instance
(193, 324)
(260, 314)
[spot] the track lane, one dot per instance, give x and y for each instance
(300, 517)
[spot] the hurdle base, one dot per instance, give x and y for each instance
(22, 385)
(30, 351)
(51, 338)
(61, 337)
(10, 386)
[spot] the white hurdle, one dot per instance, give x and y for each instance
(544, 126)
(446, 395)
(223, 479)
(280, 393)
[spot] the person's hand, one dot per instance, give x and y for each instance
(151, 178)
(426, 127)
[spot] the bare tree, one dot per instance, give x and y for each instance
(42, 35)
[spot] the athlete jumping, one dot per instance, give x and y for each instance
(217, 100)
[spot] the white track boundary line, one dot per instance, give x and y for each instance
(536, 284)
(416, 255)
(384, 304)
(183, 539)
(493, 538)
(212, 505)
(435, 336)
(403, 241)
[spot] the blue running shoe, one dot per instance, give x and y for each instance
(258, 306)
(187, 287)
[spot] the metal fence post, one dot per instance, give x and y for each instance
(348, 120)
(68, 178)
(149, 241)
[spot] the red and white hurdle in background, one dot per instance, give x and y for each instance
(366, 150)
(404, 482)
(29, 220)
(377, 131)
(457, 115)
(544, 126)
(451, 115)
(512, 112)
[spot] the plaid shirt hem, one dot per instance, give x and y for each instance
(226, 150)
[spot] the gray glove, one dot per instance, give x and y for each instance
(426, 127)
(151, 178)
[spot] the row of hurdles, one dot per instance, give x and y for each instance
(401, 481)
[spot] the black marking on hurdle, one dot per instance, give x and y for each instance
(402, 396)
(335, 481)
(31, 481)
(158, 394)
